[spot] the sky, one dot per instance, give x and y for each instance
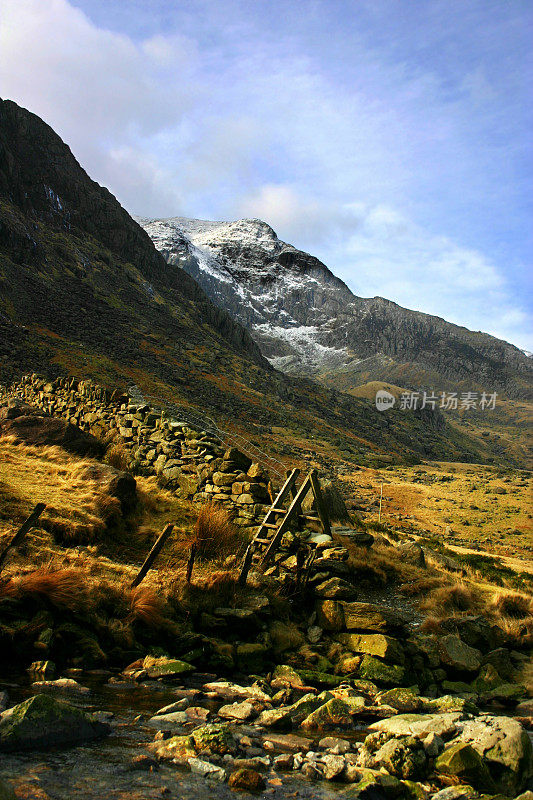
(390, 138)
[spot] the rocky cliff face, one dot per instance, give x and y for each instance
(308, 322)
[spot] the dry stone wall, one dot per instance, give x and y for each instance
(192, 462)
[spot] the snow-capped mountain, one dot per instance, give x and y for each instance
(307, 321)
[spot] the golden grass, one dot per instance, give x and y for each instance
(77, 509)
(117, 456)
(215, 535)
(512, 604)
(447, 599)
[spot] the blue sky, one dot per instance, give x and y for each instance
(391, 138)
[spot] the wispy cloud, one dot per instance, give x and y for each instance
(388, 138)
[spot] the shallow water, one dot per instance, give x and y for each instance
(101, 770)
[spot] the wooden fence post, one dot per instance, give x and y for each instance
(190, 562)
(22, 531)
(152, 555)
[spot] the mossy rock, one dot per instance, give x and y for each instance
(335, 712)
(315, 678)
(462, 761)
(403, 700)
(216, 738)
(251, 657)
(163, 667)
(451, 703)
(42, 721)
(306, 705)
(377, 671)
(179, 748)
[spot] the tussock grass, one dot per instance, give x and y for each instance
(215, 534)
(117, 456)
(443, 600)
(512, 605)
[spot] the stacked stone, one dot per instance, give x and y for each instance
(189, 461)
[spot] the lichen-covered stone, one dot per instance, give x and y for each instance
(216, 738)
(44, 721)
(462, 761)
(377, 671)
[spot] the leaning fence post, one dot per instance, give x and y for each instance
(190, 562)
(22, 531)
(152, 555)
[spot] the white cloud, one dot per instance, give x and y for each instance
(387, 169)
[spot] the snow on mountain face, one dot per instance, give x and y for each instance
(287, 298)
(307, 321)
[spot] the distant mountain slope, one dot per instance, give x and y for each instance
(308, 322)
(84, 292)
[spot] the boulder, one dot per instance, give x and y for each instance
(246, 780)
(335, 712)
(176, 748)
(443, 725)
(284, 676)
(43, 721)
(374, 644)
(403, 700)
(505, 748)
(164, 667)
(278, 718)
(458, 656)
(336, 589)
(241, 712)
(403, 757)
(216, 738)
(303, 707)
(462, 761)
(372, 669)
(371, 617)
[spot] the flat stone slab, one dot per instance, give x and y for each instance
(444, 725)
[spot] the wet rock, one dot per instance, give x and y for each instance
(175, 748)
(43, 721)
(64, 685)
(289, 742)
(207, 770)
(457, 655)
(233, 691)
(284, 762)
(164, 667)
(179, 705)
(197, 714)
(246, 780)
(144, 763)
(306, 705)
(403, 757)
(334, 745)
(330, 615)
(462, 761)
(444, 725)
(505, 748)
(333, 766)
(169, 722)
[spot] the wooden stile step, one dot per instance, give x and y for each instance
(279, 526)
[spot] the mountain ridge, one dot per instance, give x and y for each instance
(308, 322)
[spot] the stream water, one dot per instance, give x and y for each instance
(102, 770)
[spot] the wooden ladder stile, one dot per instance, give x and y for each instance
(278, 519)
(269, 522)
